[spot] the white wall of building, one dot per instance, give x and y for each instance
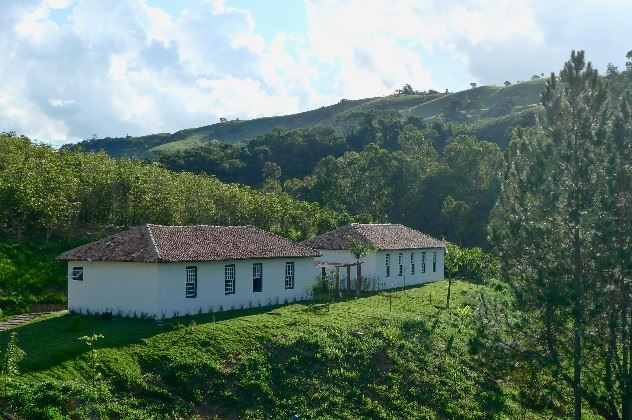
(374, 267)
(122, 288)
(211, 296)
(159, 289)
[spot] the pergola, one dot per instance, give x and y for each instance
(337, 267)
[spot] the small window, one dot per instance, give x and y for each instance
(77, 273)
(229, 279)
(191, 282)
(388, 265)
(257, 278)
(434, 262)
(412, 263)
(289, 275)
(323, 273)
(423, 262)
(400, 263)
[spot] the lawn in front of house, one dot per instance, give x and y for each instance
(389, 354)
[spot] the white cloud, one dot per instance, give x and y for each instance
(125, 67)
(116, 68)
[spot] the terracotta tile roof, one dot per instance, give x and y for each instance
(384, 236)
(156, 243)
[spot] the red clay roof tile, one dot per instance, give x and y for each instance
(384, 236)
(156, 243)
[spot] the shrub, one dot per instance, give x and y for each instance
(43, 401)
(471, 264)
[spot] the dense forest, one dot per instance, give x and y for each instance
(439, 175)
(425, 174)
(54, 193)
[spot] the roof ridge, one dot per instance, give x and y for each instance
(201, 225)
(153, 241)
(281, 237)
(375, 224)
(362, 236)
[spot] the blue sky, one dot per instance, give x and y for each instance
(270, 16)
(74, 68)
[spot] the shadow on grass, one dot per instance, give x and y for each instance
(50, 342)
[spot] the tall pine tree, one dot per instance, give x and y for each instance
(563, 203)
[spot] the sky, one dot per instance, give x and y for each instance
(72, 69)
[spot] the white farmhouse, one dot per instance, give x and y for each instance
(165, 271)
(404, 256)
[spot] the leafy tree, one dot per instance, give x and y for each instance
(271, 175)
(359, 250)
(44, 191)
(470, 264)
(406, 90)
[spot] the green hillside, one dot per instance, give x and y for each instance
(384, 356)
(485, 102)
(228, 132)
(240, 130)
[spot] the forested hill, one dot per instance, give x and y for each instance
(488, 109)
(239, 130)
(425, 159)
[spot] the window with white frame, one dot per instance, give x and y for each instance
(434, 262)
(412, 263)
(77, 273)
(257, 278)
(229, 279)
(388, 265)
(400, 264)
(191, 282)
(289, 275)
(423, 262)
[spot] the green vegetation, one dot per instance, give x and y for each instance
(472, 264)
(30, 274)
(46, 193)
(487, 102)
(228, 132)
(483, 101)
(422, 174)
(51, 201)
(543, 330)
(563, 227)
(357, 359)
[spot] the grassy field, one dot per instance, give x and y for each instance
(396, 355)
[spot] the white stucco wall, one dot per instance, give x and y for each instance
(158, 289)
(374, 267)
(210, 286)
(117, 287)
